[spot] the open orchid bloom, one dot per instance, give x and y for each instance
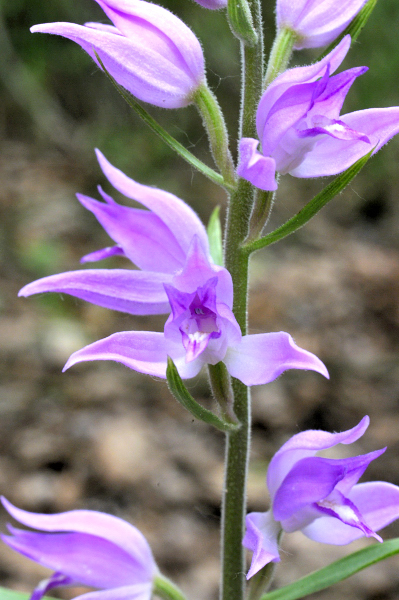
(85, 547)
(301, 130)
(170, 245)
(319, 496)
(155, 240)
(148, 50)
(316, 23)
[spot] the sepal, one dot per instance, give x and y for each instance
(241, 22)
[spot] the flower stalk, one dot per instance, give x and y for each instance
(280, 54)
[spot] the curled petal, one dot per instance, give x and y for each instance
(102, 254)
(142, 351)
(378, 503)
(178, 217)
(261, 537)
(306, 444)
(261, 358)
(93, 523)
(331, 156)
(254, 167)
(56, 580)
(134, 292)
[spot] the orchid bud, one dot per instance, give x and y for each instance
(316, 23)
(148, 50)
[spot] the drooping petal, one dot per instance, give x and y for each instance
(377, 501)
(261, 537)
(145, 239)
(90, 522)
(261, 358)
(316, 22)
(155, 27)
(212, 4)
(299, 75)
(254, 167)
(88, 559)
(180, 219)
(306, 444)
(142, 351)
(331, 156)
(312, 479)
(138, 591)
(133, 292)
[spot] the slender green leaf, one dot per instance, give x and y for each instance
(215, 237)
(354, 28)
(337, 571)
(163, 134)
(6, 594)
(311, 208)
(183, 396)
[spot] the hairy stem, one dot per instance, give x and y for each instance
(280, 54)
(236, 261)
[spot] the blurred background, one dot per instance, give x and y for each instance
(106, 438)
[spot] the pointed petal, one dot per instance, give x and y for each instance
(133, 292)
(139, 591)
(331, 156)
(91, 522)
(102, 254)
(137, 66)
(261, 358)
(142, 351)
(143, 236)
(306, 444)
(178, 217)
(299, 75)
(261, 537)
(377, 501)
(88, 559)
(254, 167)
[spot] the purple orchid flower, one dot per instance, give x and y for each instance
(320, 496)
(301, 130)
(316, 23)
(170, 245)
(147, 50)
(86, 547)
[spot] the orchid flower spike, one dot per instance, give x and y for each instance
(147, 50)
(319, 496)
(169, 243)
(316, 23)
(86, 547)
(301, 130)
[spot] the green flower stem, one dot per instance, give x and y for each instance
(260, 214)
(236, 261)
(280, 54)
(260, 583)
(215, 126)
(222, 390)
(165, 589)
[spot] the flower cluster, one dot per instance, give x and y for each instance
(320, 496)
